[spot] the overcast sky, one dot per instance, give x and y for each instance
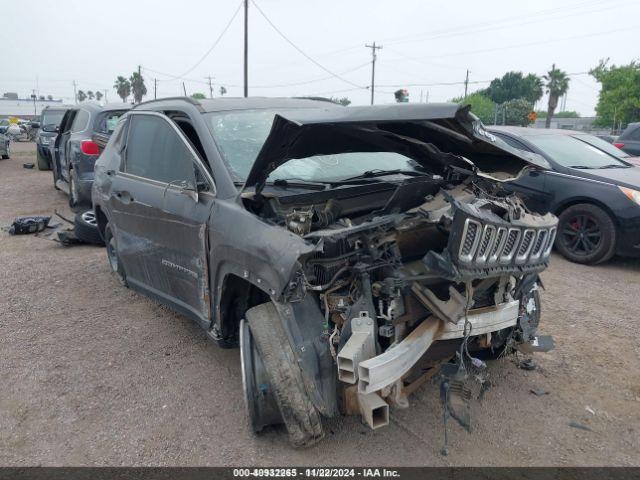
(425, 43)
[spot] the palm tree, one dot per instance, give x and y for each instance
(138, 86)
(557, 85)
(90, 94)
(99, 95)
(122, 87)
(81, 96)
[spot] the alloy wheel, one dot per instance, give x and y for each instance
(581, 234)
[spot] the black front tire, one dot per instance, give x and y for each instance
(586, 234)
(301, 418)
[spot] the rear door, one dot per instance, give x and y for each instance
(60, 141)
(161, 215)
(70, 142)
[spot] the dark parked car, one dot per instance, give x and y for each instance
(5, 147)
(320, 235)
(83, 133)
(629, 140)
(49, 123)
(591, 188)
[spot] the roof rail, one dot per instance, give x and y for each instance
(191, 100)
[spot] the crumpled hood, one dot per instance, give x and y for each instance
(436, 135)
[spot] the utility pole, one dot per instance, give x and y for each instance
(246, 48)
(75, 92)
(466, 84)
(106, 100)
(184, 89)
(210, 86)
(34, 96)
(155, 88)
(373, 48)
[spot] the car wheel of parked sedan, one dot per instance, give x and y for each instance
(298, 413)
(112, 256)
(586, 234)
(73, 189)
(259, 400)
(86, 228)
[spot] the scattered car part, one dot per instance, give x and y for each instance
(25, 225)
(28, 165)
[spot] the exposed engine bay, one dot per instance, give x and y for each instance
(412, 274)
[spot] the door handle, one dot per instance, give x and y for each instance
(123, 196)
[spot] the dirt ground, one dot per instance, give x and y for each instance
(92, 373)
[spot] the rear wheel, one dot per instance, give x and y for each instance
(43, 163)
(586, 234)
(112, 256)
(296, 410)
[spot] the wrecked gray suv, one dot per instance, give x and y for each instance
(350, 252)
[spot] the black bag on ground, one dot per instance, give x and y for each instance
(24, 225)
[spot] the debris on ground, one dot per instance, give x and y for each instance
(28, 165)
(26, 225)
(580, 426)
(539, 392)
(590, 410)
(527, 364)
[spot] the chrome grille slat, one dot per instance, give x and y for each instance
(498, 246)
(513, 240)
(550, 239)
(488, 239)
(470, 240)
(525, 245)
(539, 244)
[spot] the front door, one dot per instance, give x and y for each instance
(161, 215)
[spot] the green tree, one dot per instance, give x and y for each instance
(619, 99)
(481, 106)
(90, 94)
(122, 87)
(222, 91)
(344, 101)
(138, 87)
(516, 112)
(99, 95)
(557, 84)
(81, 96)
(198, 96)
(565, 114)
(514, 85)
(49, 97)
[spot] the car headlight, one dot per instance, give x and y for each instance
(45, 140)
(634, 195)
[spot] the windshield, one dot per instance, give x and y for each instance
(52, 117)
(571, 152)
(241, 134)
(602, 145)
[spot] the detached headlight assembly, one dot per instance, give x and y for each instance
(634, 195)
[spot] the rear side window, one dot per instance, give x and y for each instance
(80, 122)
(635, 134)
(107, 121)
(155, 151)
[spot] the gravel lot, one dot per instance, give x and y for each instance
(92, 373)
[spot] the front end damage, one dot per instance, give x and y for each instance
(402, 293)
(406, 277)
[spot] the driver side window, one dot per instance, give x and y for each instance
(155, 151)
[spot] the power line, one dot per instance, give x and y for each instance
(316, 63)
(181, 77)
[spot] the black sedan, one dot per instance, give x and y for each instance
(595, 194)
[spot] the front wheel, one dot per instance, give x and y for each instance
(586, 234)
(285, 379)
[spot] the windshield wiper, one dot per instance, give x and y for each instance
(300, 183)
(583, 167)
(614, 165)
(379, 173)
